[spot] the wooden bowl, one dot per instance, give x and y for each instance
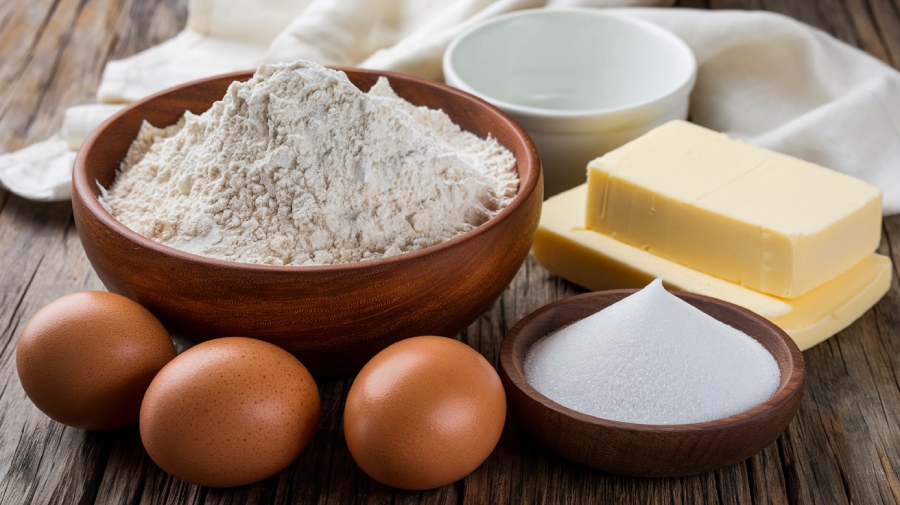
(334, 318)
(645, 450)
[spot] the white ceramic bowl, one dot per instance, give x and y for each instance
(580, 81)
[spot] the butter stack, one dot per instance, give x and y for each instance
(789, 240)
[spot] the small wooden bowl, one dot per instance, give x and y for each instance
(645, 450)
(334, 318)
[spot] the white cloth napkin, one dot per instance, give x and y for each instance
(763, 77)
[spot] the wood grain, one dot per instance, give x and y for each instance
(842, 447)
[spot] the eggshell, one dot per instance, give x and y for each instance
(229, 412)
(424, 412)
(86, 359)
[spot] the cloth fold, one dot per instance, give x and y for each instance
(762, 77)
(41, 171)
(777, 83)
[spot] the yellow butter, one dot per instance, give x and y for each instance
(761, 219)
(597, 262)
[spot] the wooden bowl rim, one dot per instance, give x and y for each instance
(82, 188)
(791, 384)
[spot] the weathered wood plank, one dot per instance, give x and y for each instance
(842, 448)
(865, 29)
(48, 263)
(50, 61)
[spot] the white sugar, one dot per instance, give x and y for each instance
(652, 358)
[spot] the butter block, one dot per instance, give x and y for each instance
(764, 220)
(593, 260)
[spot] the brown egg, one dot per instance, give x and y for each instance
(86, 359)
(229, 412)
(424, 412)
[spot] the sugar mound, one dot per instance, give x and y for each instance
(652, 358)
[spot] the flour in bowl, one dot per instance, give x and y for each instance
(298, 167)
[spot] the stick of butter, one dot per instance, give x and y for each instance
(593, 260)
(761, 219)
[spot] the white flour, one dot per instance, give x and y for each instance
(298, 167)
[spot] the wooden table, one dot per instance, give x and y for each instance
(843, 446)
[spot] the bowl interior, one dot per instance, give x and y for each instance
(723, 441)
(569, 60)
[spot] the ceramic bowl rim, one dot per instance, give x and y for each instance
(678, 88)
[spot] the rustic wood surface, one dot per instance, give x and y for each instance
(843, 446)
